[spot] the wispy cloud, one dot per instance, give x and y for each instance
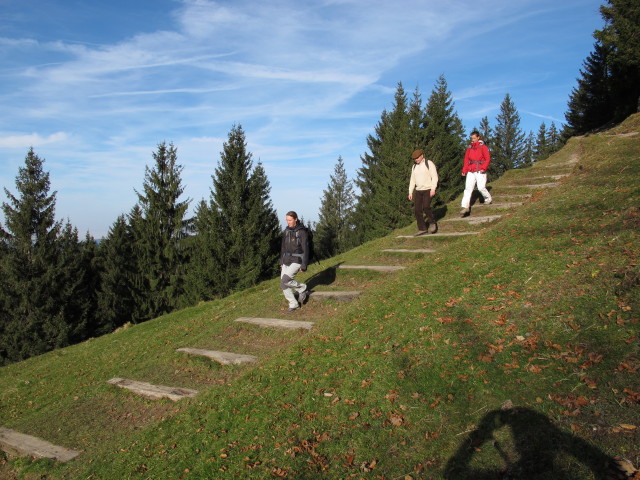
(32, 140)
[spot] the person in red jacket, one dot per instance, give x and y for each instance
(476, 163)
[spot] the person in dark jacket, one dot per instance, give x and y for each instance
(294, 257)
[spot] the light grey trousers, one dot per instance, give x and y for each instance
(289, 285)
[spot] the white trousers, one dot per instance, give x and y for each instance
(473, 178)
(289, 285)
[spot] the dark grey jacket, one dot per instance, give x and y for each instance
(295, 246)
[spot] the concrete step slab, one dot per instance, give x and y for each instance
(153, 391)
(20, 445)
(225, 358)
(410, 250)
(375, 268)
(500, 205)
(474, 220)
(336, 295)
(533, 186)
(277, 323)
(513, 195)
(439, 234)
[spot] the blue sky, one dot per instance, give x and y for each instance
(94, 85)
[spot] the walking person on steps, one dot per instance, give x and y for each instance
(474, 168)
(294, 257)
(424, 179)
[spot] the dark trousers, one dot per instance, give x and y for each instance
(422, 208)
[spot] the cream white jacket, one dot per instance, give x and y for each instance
(424, 176)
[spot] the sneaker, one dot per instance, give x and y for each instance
(302, 298)
(420, 233)
(433, 228)
(292, 309)
(464, 212)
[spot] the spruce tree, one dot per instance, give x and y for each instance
(237, 231)
(445, 142)
(164, 227)
(334, 231)
(76, 282)
(541, 149)
(117, 291)
(262, 233)
(621, 37)
(384, 175)
(528, 155)
(591, 104)
(554, 141)
(486, 132)
(33, 321)
(508, 141)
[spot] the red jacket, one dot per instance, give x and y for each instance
(476, 158)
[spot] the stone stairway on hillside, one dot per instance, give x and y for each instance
(20, 444)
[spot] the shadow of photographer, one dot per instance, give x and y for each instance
(533, 452)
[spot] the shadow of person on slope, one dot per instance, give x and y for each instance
(323, 277)
(537, 444)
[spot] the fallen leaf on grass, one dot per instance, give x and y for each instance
(396, 420)
(368, 466)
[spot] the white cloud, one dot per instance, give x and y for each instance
(32, 140)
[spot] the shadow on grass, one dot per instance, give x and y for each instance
(538, 444)
(324, 277)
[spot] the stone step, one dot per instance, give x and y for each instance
(512, 195)
(19, 444)
(539, 185)
(554, 177)
(439, 234)
(277, 323)
(225, 358)
(337, 295)
(500, 205)
(473, 220)
(410, 250)
(375, 268)
(153, 391)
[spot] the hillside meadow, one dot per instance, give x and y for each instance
(512, 352)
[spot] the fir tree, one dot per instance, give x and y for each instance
(445, 142)
(554, 141)
(76, 282)
(383, 178)
(117, 291)
(508, 141)
(621, 37)
(237, 232)
(528, 155)
(486, 132)
(591, 103)
(541, 149)
(33, 321)
(334, 231)
(163, 231)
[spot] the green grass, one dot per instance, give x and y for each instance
(537, 314)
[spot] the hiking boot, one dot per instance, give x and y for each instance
(420, 233)
(464, 212)
(433, 228)
(302, 298)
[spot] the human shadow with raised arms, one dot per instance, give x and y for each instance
(536, 450)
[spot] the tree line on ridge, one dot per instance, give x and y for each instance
(57, 289)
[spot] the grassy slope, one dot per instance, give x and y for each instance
(538, 312)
